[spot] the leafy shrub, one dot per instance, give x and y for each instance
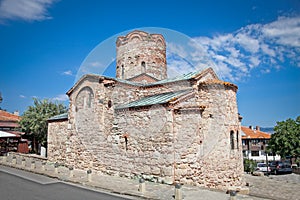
(249, 165)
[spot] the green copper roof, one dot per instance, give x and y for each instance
(177, 78)
(183, 77)
(59, 117)
(154, 99)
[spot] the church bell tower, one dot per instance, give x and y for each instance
(141, 57)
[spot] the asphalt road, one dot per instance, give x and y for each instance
(35, 187)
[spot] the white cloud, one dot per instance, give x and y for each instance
(27, 10)
(264, 46)
(22, 96)
(95, 64)
(247, 42)
(254, 61)
(233, 52)
(176, 49)
(284, 31)
(219, 57)
(234, 62)
(60, 97)
(68, 73)
(178, 67)
(265, 71)
(91, 67)
(223, 70)
(219, 41)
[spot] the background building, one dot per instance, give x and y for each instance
(255, 143)
(10, 136)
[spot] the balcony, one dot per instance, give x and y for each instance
(256, 147)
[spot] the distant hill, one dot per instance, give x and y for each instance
(267, 129)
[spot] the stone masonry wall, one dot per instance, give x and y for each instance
(184, 143)
(194, 139)
(57, 141)
(220, 119)
(140, 52)
(147, 148)
(191, 146)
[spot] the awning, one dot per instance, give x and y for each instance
(4, 134)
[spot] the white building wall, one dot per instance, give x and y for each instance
(261, 157)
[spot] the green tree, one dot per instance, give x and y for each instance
(286, 139)
(34, 120)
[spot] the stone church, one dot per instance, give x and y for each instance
(141, 123)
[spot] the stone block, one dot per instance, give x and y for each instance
(167, 171)
(168, 180)
(146, 169)
(257, 173)
(155, 170)
(181, 172)
(243, 190)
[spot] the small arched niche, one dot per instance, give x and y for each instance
(143, 65)
(84, 99)
(232, 140)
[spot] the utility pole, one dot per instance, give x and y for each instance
(267, 162)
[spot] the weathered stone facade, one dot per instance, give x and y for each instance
(184, 129)
(140, 53)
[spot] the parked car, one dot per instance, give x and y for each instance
(279, 167)
(262, 167)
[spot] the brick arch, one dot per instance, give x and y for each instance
(160, 40)
(135, 36)
(84, 98)
(130, 36)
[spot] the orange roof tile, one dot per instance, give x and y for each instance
(6, 116)
(254, 134)
(219, 82)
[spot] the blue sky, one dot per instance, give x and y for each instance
(254, 44)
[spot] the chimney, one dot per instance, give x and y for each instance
(250, 127)
(16, 113)
(257, 128)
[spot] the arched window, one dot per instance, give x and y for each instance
(126, 143)
(143, 64)
(237, 139)
(122, 68)
(109, 104)
(232, 139)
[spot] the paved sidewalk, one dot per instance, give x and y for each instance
(119, 185)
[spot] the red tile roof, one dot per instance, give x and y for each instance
(6, 116)
(254, 134)
(8, 124)
(16, 133)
